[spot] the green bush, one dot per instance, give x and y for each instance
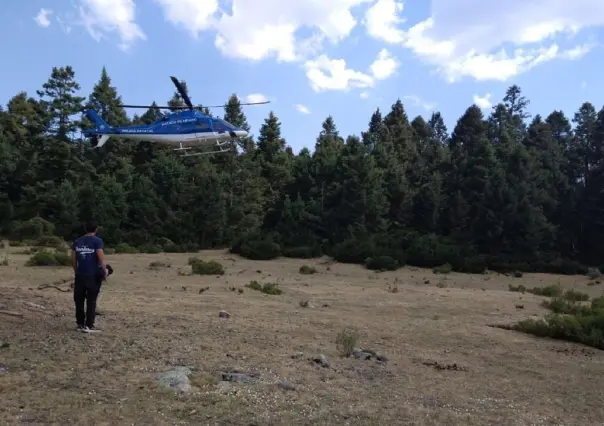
(548, 291)
(576, 296)
(304, 252)
(443, 269)
(382, 263)
(125, 248)
(48, 258)
(181, 248)
(201, 267)
(307, 270)
(163, 241)
(354, 250)
(33, 228)
(51, 241)
(519, 288)
(266, 288)
(570, 320)
(149, 248)
(259, 249)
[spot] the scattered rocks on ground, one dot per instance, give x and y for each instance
(437, 365)
(233, 374)
(176, 379)
(224, 314)
(367, 354)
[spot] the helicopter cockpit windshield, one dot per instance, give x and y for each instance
(222, 126)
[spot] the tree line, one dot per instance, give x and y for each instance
(505, 191)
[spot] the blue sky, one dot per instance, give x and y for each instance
(315, 58)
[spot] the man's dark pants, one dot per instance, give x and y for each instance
(86, 289)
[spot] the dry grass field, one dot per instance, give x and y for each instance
(445, 365)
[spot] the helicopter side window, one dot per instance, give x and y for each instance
(203, 124)
(219, 126)
(222, 126)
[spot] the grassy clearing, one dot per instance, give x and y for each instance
(444, 365)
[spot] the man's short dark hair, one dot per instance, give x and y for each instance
(91, 226)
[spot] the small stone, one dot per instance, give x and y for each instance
(321, 360)
(286, 385)
(298, 355)
(224, 314)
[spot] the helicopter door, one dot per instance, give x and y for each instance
(203, 129)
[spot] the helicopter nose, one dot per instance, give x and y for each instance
(238, 133)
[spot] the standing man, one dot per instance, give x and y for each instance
(86, 257)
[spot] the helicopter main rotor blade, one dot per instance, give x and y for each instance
(150, 106)
(182, 91)
(246, 103)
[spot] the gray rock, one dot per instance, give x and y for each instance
(321, 360)
(238, 376)
(366, 354)
(286, 385)
(176, 379)
(224, 314)
(361, 354)
(298, 355)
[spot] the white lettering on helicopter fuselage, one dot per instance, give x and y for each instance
(181, 121)
(137, 131)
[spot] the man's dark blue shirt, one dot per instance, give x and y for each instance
(85, 248)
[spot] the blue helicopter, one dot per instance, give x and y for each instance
(185, 130)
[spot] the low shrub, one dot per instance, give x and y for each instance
(48, 258)
(266, 288)
(149, 248)
(125, 248)
(443, 269)
(201, 267)
(308, 270)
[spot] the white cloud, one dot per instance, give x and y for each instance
(419, 102)
(193, 15)
(325, 74)
(101, 16)
(256, 97)
(332, 74)
(266, 28)
(483, 102)
(364, 95)
(518, 37)
(382, 20)
(384, 66)
(42, 17)
(302, 109)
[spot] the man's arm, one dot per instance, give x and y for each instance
(101, 255)
(74, 260)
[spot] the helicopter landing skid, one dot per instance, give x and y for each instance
(186, 150)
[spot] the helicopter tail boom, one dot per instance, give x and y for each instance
(102, 131)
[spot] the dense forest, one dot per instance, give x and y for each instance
(505, 191)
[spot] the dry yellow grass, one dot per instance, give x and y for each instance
(51, 374)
